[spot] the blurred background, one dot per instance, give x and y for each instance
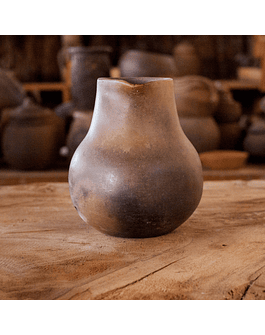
(34, 58)
(219, 85)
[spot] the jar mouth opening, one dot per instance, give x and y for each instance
(135, 80)
(90, 49)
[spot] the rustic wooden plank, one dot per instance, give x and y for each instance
(47, 252)
(13, 177)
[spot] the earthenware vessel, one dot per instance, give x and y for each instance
(141, 63)
(254, 142)
(135, 174)
(12, 93)
(31, 137)
(228, 110)
(197, 99)
(203, 132)
(224, 159)
(86, 65)
(230, 135)
(196, 96)
(187, 59)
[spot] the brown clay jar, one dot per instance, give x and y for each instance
(31, 137)
(135, 174)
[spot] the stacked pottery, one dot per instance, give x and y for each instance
(141, 63)
(31, 137)
(227, 115)
(86, 65)
(197, 99)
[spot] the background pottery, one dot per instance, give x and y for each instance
(86, 65)
(203, 132)
(230, 134)
(12, 93)
(140, 63)
(135, 174)
(187, 59)
(228, 110)
(195, 96)
(223, 159)
(31, 137)
(254, 142)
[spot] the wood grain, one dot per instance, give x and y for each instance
(48, 252)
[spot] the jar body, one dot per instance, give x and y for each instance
(135, 174)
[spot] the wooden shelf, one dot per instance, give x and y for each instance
(56, 86)
(241, 84)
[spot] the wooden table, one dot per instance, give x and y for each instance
(13, 177)
(48, 252)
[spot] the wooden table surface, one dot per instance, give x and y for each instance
(14, 177)
(48, 252)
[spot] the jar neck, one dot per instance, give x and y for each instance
(135, 102)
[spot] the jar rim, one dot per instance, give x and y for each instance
(90, 49)
(132, 81)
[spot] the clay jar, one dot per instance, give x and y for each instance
(86, 65)
(141, 63)
(31, 137)
(135, 174)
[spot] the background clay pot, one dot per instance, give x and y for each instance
(78, 130)
(228, 110)
(230, 135)
(12, 93)
(140, 63)
(203, 132)
(254, 142)
(31, 137)
(195, 96)
(187, 59)
(135, 174)
(87, 64)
